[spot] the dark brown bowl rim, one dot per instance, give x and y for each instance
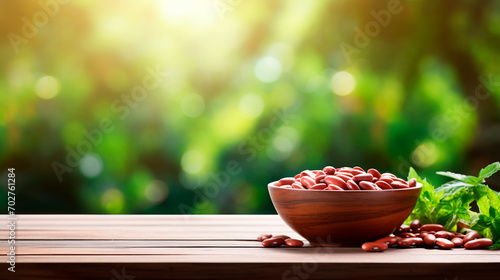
(419, 186)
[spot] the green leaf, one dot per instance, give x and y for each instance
(452, 187)
(460, 177)
(490, 198)
(489, 170)
(455, 176)
(495, 246)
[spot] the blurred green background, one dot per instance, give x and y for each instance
(194, 106)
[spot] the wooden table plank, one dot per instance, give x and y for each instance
(220, 246)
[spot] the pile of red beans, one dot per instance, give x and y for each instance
(268, 240)
(428, 236)
(345, 178)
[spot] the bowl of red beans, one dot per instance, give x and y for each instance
(344, 206)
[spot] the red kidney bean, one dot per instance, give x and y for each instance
(363, 177)
(319, 173)
(297, 185)
(407, 234)
(286, 181)
(332, 179)
(385, 179)
(431, 227)
(430, 239)
(297, 177)
(389, 240)
(415, 224)
(459, 235)
(417, 234)
(444, 243)
(389, 174)
(423, 233)
(358, 168)
(329, 170)
(457, 241)
(412, 183)
(320, 186)
(273, 242)
(345, 173)
(374, 173)
(320, 179)
(354, 172)
(410, 241)
(367, 185)
(264, 236)
(285, 237)
(333, 187)
(307, 173)
(478, 243)
(374, 246)
(383, 185)
(294, 243)
(403, 228)
(471, 236)
(307, 181)
(400, 180)
(352, 186)
(444, 234)
(374, 180)
(343, 176)
(399, 185)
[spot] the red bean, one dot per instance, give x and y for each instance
(389, 175)
(389, 240)
(407, 234)
(412, 183)
(374, 173)
(297, 185)
(348, 174)
(358, 168)
(329, 170)
(320, 186)
(286, 181)
(352, 186)
(297, 177)
(332, 179)
(363, 177)
(320, 179)
(478, 243)
(367, 185)
(471, 236)
(410, 241)
(307, 181)
(333, 187)
(320, 173)
(399, 185)
(307, 173)
(403, 228)
(444, 234)
(264, 236)
(273, 242)
(285, 237)
(383, 185)
(294, 243)
(444, 243)
(457, 241)
(343, 177)
(431, 227)
(386, 179)
(415, 224)
(423, 233)
(430, 239)
(374, 246)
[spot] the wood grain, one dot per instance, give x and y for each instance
(211, 247)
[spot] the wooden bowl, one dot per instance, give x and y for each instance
(343, 218)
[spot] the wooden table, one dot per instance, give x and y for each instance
(210, 247)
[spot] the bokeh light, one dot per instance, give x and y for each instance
(342, 83)
(47, 87)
